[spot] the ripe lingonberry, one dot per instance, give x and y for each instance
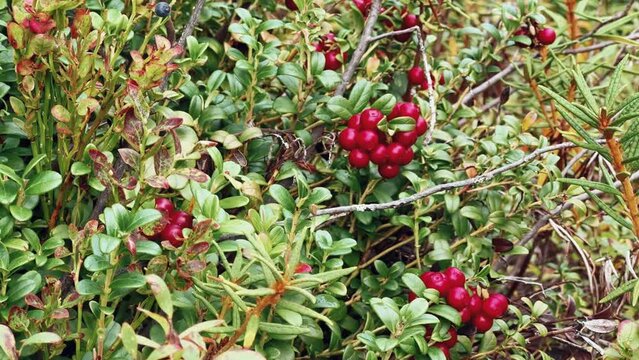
(370, 118)
(290, 4)
(421, 126)
(164, 205)
(416, 75)
(475, 304)
(332, 62)
(405, 138)
(354, 121)
(162, 9)
(388, 171)
(495, 306)
(455, 276)
(458, 298)
(172, 233)
(411, 296)
(482, 322)
(358, 159)
(444, 350)
(182, 219)
(347, 139)
(546, 36)
(303, 268)
(438, 282)
(453, 338)
(367, 139)
(395, 153)
(379, 155)
(406, 157)
(465, 314)
(408, 21)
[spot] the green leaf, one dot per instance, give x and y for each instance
(234, 202)
(618, 39)
(303, 310)
(10, 173)
(88, 287)
(624, 288)
(42, 338)
(281, 329)
(387, 312)
(360, 95)
(613, 86)
(579, 129)
(102, 244)
(488, 342)
(142, 217)
(583, 116)
(27, 283)
(385, 103)
(129, 280)
(20, 213)
(591, 185)
(341, 107)
(608, 210)
(161, 293)
(43, 182)
(282, 196)
(129, 340)
(414, 283)
(585, 90)
(447, 313)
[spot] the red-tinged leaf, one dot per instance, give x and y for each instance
(129, 183)
(198, 248)
(40, 23)
(15, 34)
(18, 319)
(71, 300)
(195, 266)
(87, 106)
(129, 157)
(60, 113)
(61, 252)
(34, 301)
(81, 25)
(201, 228)
(132, 87)
(193, 174)
(8, 342)
(63, 129)
(176, 141)
(157, 182)
(163, 161)
(27, 67)
(168, 124)
(303, 268)
(98, 157)
(162, 43)
(130, 244)
(60, 314)
(239, 158)
(133, 129)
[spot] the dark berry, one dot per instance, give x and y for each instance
(388, 171)
(411, 296)
(482, 322)
(164, 205)
(290, 4)
(546, 36)
(347, 139)
(408, 21)
(416, 75)
(173, 234)
(162, 9)
(405, 138)
(182, 219)
(370, 119)
(358, 159)
(379, 155)
(455, 276)
(458, 298)
(495, 306)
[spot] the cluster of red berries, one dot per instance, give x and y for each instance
(417, 76)
(328, 46)
(538, 37)
(367, 143)
(409, 20)
(176, 221)
(472, 307)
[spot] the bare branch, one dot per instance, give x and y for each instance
(601, 45)
(447, 186)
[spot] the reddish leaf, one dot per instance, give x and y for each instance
(201, 228)
(59, 314)
(8, 342)
(15, 34)
(33, 301)
(198, 248)
(130, 244)
(502, 245)
(176, 141)
(163, 161)
(27, 67)
(130, 157)
(194, 174)
(129, 184)
(157, 182)
(196, 266)
(133, 129)
(303, 268)
(168, 124)
(18, 319)
(60, 113)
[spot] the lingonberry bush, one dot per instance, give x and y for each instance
(309, 179)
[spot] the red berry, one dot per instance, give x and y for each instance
(466, 314)
(546, 36)
(164, 205)
(354, 122)
(453, 338)
(408, 21)
(406, 157)
(181, 219)
(395, 153)
(438, 282)
(410, 110)
(442, 79)
(358, 159)
(379, 155)
(406, 138)
(172, 233)
(522, 31)
(332, 62)
(370, 118)
(426, 275)
(444, 350)
(367, 139)
(495, 306)
(455, 276)
(482, 322)
(475, 304)
(303, 268)
(348, 139)
(458, 298)
(416, 75)
(411, 296)
(290, 4)
(388, 171)
(363, 6)
(421, 126)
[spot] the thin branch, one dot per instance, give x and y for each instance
(443, 187)
(360, 50)
(601, 45)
